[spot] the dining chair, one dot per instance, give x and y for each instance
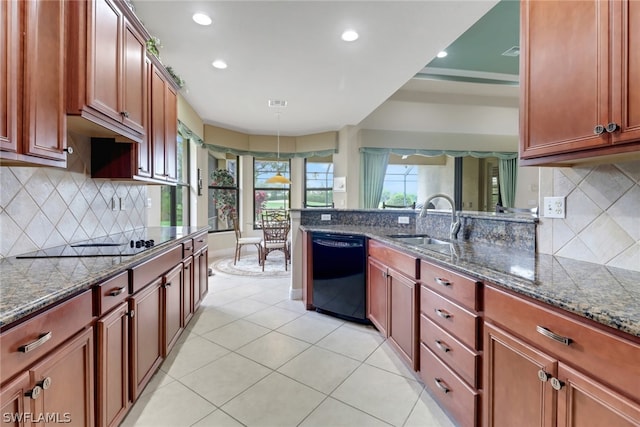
(275, 234)
(243, 241)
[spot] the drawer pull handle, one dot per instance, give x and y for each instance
(37, 343)
(167, 285)
(34, 393)
(116, 292)
(441, 385)
(547, 333)
(442, 346)
(556, 384)
(442, 282)
(45, 383)
(442, 313)
(188, 249)
(201, 241)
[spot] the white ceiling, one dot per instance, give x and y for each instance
(291, 50)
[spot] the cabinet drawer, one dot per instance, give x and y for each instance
(464, 361)
(404, 263)
(451, 317)
(200, 241)
(455, 286)
(110, 293)
(461, 401)
(187, 248)
(43, 333)
(607, 357)
(145, 273)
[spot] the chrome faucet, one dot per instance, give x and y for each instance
(455, 222)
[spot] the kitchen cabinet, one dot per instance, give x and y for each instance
(164, 126)
(451, 340)
(581, 99)
(107, 78)
(187, 286)
(202, 259)
(392, 302)
(32, 91)
(48, 364)
(172, 292)
(543, 368)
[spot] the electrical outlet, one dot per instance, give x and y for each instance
(114, 204)
(403, 220)
(554, 207)
(123, 207)
(325, 217)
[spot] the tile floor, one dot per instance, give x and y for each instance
(252, 357)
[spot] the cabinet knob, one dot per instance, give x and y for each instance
(34, 393)
(543, 376)
(556, 384)
(598, 130)
(124, 114)
(612, 127)
(131, 314)
(68, 150)
(45, 383)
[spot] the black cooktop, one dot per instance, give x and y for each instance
(121, 244)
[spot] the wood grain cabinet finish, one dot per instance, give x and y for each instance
(32, 91)
(107, 80)
(164, 126)
(173, 322)
(392, 301)
(203, 273)
(187, 287)
(590, 376)
(581, 99)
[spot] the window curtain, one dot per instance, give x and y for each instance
(374, 168)
(508, 169)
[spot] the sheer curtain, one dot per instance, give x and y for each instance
(508, 169)
(374, 168)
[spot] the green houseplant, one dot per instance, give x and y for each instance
(224, 199)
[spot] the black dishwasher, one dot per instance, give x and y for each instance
(339, 283)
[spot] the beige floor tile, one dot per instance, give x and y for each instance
(272, 317)
(218, 419)
(192, 355)
(225, 378)
(273, 350)
(385, 357)
(236, 334)
(382, 394)
(427, 413)
(173, 405)
(308, 329)
(336, 414)
(293, 305)
(271, 295)
(351, 342)
(208, 319)
(321, 369)
(274, 401)
(159, 379)
(243, 307)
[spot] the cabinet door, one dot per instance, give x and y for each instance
(66, 377)
(514, 391)
(203, 270)
(103, 57)
(197, 277)
(134, 90)
(171, 133)
(172, 307)
(584, 402)
(403, 322)
(146, 335)
(113, 366)
(10, 72)
(14, 402)
(44, 120)
(377, 296)
(625, 98)
(158, 128)
(187, 290)
(145, 148)
(563, 100)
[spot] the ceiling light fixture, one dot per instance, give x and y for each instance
(278, 178)
(442, 54)
(219, 64)
(201, 18)
(350, 35)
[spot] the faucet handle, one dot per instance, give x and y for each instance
(455, 228)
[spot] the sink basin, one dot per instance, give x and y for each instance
(419, 240)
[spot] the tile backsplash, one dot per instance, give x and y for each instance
(602, 223)
(42, 207)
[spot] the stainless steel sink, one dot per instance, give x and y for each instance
(419, 240)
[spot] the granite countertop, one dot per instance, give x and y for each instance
(607, 295)
(28, 285)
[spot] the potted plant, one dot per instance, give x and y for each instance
(224, 199)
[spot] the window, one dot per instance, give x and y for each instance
(223, 191)
(174, 200)
(269, 196)
(318, 182)
(400, 185)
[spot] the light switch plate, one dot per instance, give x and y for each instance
(554, 207)
(325, 217)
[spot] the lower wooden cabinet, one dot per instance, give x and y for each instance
(173, 322)
(187, 287)
(403, 322)
(377, 296)
(203, 274)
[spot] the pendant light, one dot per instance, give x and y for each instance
(278, 178)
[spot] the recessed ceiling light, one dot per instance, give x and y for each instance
(350, 35)
(201, 18)
(219, 64)
(442, 54)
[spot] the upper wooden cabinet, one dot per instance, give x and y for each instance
(580, 80)
(106, 68)
(32, 89)
(164, 126)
